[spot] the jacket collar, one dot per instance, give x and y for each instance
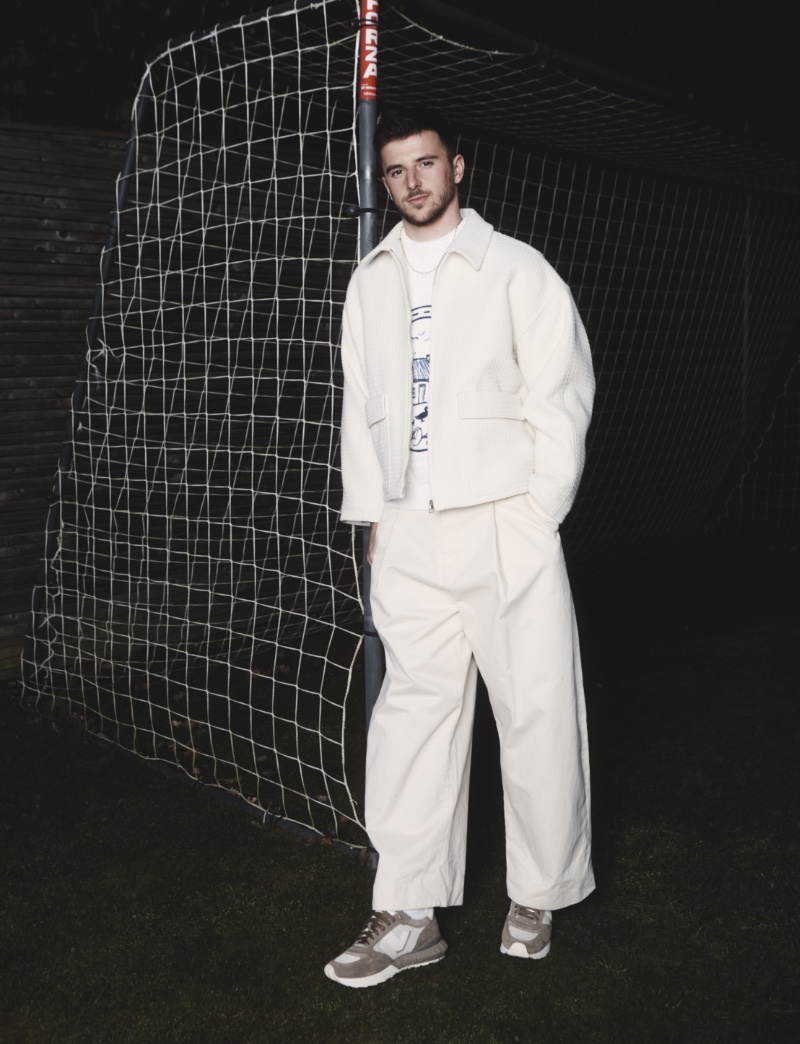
(472, 241)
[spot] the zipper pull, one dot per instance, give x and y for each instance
(430, 506)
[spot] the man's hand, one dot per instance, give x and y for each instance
(373, 536)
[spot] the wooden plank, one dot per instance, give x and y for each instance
(19, 576)
(36, 485)
(37, 482)
(44, 430)
(47, 377)
(41, 134)
(14, 623)
(64, 371)
(15, 615)
(74, 279)
(52, 425)
(32, 208)
(12, 250)
(30, 300)
(18, 223)
(22, 394)
(36, 490)
(17, 157)
(10, 658)
(44, 362)
(44, 324)
(28, 309)
(19, 231)
(31, 238)
(60, 332)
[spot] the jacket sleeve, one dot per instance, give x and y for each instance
(556, 360)
(362, 481)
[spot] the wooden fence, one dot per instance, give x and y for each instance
(56, 196)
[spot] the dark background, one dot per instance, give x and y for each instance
(77, 63)
(150, 915)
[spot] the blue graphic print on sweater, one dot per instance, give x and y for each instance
(421, 370)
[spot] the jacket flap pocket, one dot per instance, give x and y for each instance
(489, 405)
(375, 409)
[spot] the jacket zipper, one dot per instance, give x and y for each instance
(404, 284)
(430, 378)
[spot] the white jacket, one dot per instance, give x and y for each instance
(511, 383)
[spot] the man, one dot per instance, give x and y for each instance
(468, 393)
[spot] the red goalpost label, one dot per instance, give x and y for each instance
(368, 70)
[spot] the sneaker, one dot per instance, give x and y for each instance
(526, 932)
(390, 943)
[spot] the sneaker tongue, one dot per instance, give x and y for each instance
(380, 919)
(528, 913)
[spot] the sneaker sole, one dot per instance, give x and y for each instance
(410, 960)
(518, 949)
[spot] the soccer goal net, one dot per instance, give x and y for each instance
(199, 601)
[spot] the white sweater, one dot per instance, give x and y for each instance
(511, 387)
(421, 261)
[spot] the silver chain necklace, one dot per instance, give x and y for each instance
(419, 271)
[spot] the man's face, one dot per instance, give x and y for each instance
(421, 179)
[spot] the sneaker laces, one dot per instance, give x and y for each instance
(378, 922)
(528, 913)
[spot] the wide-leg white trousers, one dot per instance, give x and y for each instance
(453, 592)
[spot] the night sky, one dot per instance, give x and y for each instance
(78, 62)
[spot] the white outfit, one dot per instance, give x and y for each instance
(477, 582)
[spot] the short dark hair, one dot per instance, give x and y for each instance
(397, 124)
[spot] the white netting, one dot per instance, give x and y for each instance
(202, 605)
(763, 496)
(201, 602)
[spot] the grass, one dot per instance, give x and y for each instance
(133, 909)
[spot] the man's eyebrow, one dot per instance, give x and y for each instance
(417, 159)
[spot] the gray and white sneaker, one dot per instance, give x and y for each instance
(391, 942)
(526, 932)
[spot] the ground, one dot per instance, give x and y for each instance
(135, 909)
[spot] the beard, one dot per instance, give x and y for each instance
(435, 205)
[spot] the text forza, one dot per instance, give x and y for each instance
(368, 80)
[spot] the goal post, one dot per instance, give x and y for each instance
(367, 115)
(200, 602)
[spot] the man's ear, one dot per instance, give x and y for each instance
(458, 168)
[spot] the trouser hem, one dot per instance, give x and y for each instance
(552, 898)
